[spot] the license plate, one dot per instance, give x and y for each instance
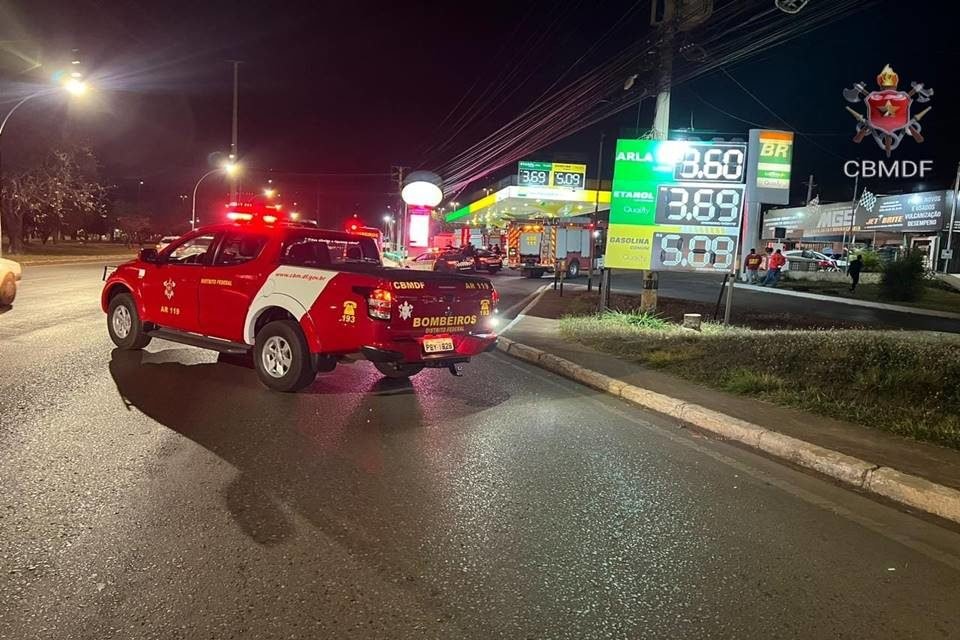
(437, 345)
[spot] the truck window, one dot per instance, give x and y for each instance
(320, 251)
(238, 248)
(193, 251)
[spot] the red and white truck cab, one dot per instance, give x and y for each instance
(300, 299)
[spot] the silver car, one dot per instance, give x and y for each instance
(808, 260)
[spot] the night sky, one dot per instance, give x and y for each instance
(353, 87)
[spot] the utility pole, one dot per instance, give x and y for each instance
(595, 216)
(810, 185)
(853, 217)
(234, 181)
(665, 18)
(397, 173)
(953, 217)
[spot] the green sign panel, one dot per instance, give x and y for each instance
(676, 205)
(773, 160)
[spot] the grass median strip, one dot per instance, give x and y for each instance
(937, 296)
(902, 382)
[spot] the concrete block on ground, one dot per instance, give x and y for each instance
(692, 321)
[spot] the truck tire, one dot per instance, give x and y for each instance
(281, 356)
(573, 269)
(398, 371)
(8, 290)
(123, 323)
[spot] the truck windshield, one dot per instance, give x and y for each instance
(316, 250)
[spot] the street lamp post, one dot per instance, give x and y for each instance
(75, 87)
(228, 168)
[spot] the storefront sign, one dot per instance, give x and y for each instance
(903, 213)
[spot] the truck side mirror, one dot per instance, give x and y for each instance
(148, 254)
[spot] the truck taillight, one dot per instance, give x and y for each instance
(378, 304)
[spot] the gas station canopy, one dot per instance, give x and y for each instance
(530, 203)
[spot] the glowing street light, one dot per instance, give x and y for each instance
(230, 168)
(270, 192)
(75, 86)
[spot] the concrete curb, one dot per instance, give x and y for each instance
(909, 490)
(68, 260)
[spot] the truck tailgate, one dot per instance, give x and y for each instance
(441, 304)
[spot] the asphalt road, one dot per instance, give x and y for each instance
(165, 495)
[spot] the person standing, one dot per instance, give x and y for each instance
(752, 264)
(774, 265)
(853, 270)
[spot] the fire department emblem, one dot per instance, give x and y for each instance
(168, 287)
(406, 310)
(888, 117)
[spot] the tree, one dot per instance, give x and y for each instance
(134, 229)
(903, 278)
(61, 193)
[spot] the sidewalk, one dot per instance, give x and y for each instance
(935, 470)
(920, 311)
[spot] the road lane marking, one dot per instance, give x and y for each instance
(536, 295)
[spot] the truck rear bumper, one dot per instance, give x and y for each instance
(411, 351)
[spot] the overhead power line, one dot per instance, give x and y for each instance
(736, 31)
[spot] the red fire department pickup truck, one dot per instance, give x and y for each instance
(300, 299)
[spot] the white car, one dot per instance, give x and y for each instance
(10, 274)
(164, 241)
(807, 258)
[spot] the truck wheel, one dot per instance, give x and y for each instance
(281, 356)
(573, 269)
(8, 290)
(398, 371)
(123, 323)
(493, 270)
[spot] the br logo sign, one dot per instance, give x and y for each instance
(888, 118)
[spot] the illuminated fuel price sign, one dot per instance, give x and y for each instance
(551, 174)
(711, 161)
(692, 252)
(676, 205)
(570, 176)
(534, 174)
(699, 204)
